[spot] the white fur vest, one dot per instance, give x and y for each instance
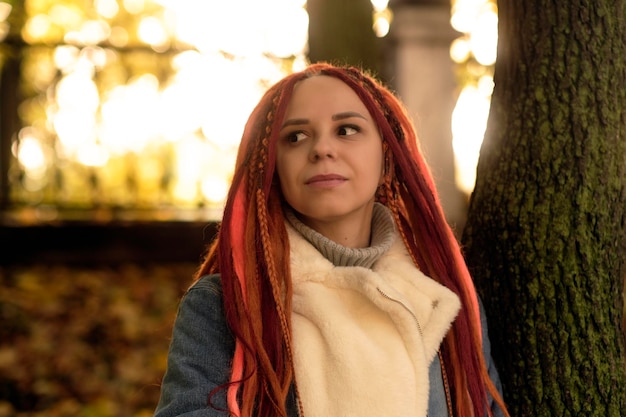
(364, 338)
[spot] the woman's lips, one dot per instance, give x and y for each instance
(325, 180)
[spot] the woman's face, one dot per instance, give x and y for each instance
(329, 157)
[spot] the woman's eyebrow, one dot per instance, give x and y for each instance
(338, 116)
(347, 115)
(292, 122)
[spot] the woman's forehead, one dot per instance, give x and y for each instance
(323, 90)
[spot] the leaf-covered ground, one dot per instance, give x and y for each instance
(86, 342)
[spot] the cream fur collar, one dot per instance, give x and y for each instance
(364, 338)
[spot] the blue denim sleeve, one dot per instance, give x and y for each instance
(491, 367)
(199, 356)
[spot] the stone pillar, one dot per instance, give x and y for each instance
(419, 68)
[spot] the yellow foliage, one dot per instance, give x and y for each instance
(86, 342)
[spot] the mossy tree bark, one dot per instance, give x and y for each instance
(545, 236)
(340, 32)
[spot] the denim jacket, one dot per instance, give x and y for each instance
(201, 351)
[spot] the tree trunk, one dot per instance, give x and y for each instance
(341, 32)
(545, 237)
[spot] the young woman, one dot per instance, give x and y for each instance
(335, 286)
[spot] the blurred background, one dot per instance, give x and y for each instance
(119, 125)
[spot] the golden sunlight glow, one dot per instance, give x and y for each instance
(134, 6)
(379, 5)
(36, 27)
(32, 155)
(152, 32)
(66, 16)
(93, 155)
(291, 36)
(478, 21)
(66, 56)
(151, 92)
(172, 119)
(382, 17)
(90, 32)
(30, 151)
(469, 120)
(119, 36)
(5, 10)
(381, 26)
(77, 91)
(460, 50)
(130, 116)
(484, 36)
(214, 188)
(106, 8)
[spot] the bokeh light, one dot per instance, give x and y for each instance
(475, 52)
(123, 91)
(153, 93)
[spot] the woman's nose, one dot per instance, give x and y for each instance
(322, 147)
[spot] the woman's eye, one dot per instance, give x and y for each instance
(295, 137)
(348, 130)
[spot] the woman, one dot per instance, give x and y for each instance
(335, 286)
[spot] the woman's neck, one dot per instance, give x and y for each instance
(379, 241)
(351, 234)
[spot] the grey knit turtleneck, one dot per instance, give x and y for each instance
(382, 238)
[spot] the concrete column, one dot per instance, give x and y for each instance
(421, 71)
